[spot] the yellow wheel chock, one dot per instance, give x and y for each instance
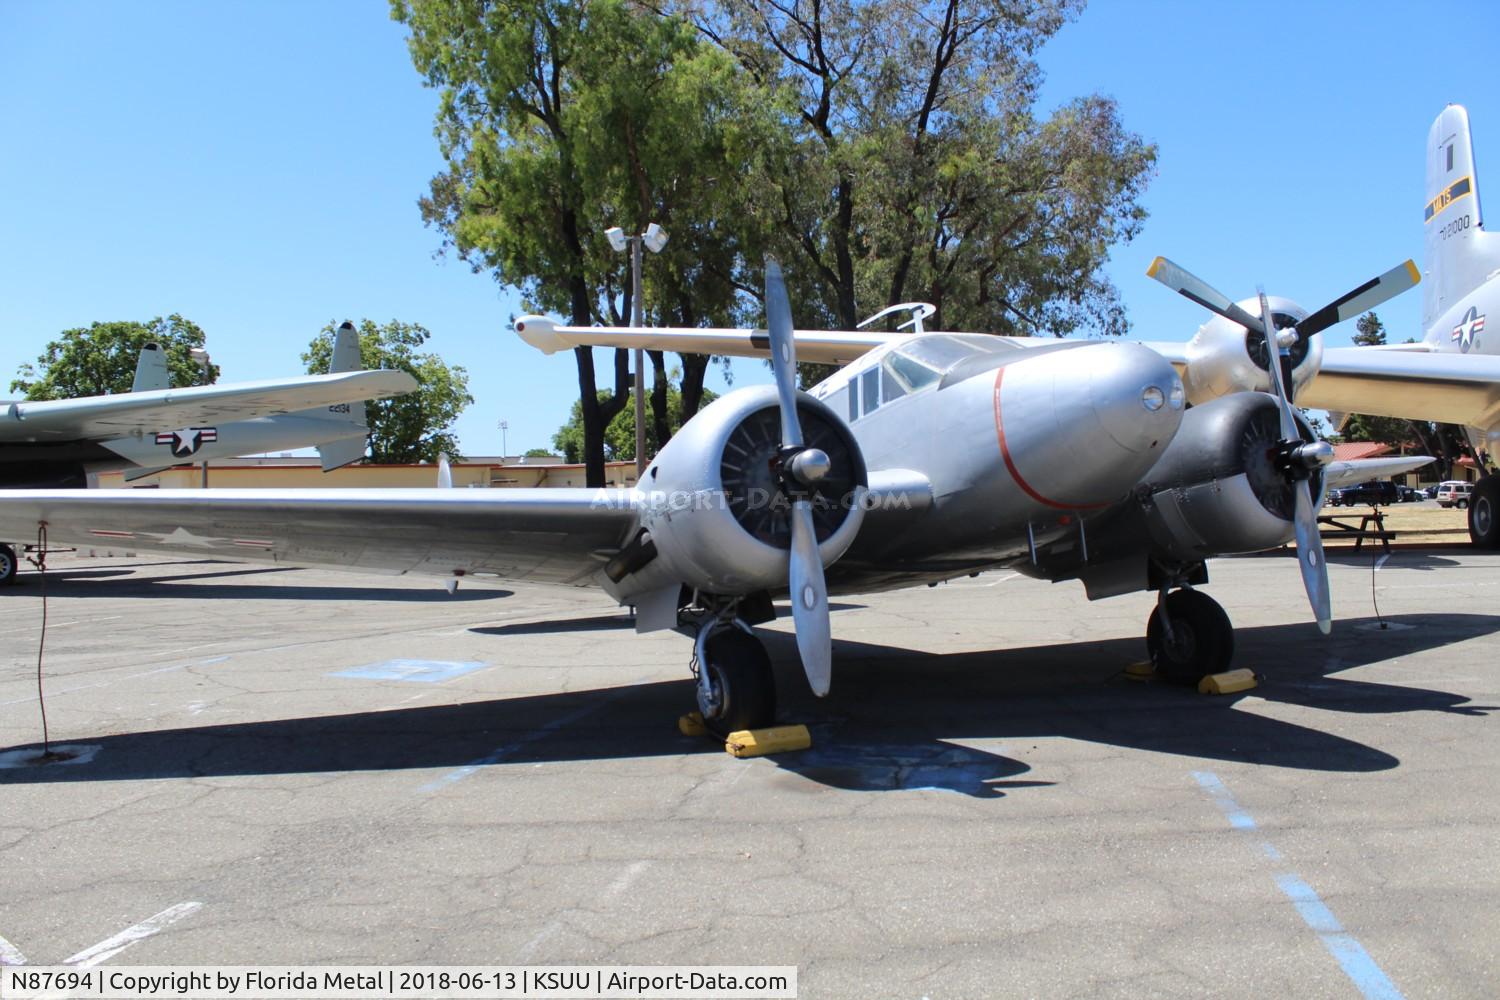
(1229, 682)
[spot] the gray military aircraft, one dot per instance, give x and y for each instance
(63, 443)
(928, 456)
(1451, 376)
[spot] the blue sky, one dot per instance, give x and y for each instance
(256, 166)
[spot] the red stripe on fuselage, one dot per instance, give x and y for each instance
(1011, 465)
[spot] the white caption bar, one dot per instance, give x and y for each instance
(371, 982)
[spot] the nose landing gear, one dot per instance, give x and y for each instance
(1189, 636)
(736, 687)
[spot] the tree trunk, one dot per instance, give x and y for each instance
(661, 423)
(694, 368)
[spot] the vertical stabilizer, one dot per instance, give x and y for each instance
(151, 370)
(1460, 255)
(351, 448)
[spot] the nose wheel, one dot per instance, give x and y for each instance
(1189, 637)
(736, 687)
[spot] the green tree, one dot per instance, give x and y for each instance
(559, 119)
(537, 453)
(619, 436)
(1369, 331)
(915, 165)
(413, 427)
(100, 359)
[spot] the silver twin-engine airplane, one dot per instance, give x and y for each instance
(62, 443)
(928, 456)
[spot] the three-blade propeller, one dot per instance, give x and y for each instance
(801, 469)
(1297, 458)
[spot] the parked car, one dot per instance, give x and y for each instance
(1431, 491)
(1375, 492)
(1409, 494)
(1454, 493)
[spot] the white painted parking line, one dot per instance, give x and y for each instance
(53, 625)
(10, 954)
(129, 677)
(110, 947)
(616, 888)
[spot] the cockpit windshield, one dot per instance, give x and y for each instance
(941, 352)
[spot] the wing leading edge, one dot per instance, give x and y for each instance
(559, 536)
(1447, 388)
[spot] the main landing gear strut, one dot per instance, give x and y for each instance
(1188, 636)
(736, 687)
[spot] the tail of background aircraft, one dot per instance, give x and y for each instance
(151, 370)
(1460, 255)
(336, 454)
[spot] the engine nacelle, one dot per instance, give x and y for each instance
(713, 508)
(1224, 357)
(1217, 489)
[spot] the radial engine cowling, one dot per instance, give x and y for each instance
(1224, 357)
(1217, 489)
(714, 508)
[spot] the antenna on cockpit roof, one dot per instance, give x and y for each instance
(919, 312)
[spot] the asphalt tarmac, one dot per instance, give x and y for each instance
(295, 767)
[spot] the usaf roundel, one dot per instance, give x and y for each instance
(188, 440)
(1468, 330)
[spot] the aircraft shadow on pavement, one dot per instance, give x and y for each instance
(899, 719)
(601, 623)
(109, 583)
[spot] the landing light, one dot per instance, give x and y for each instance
(1152, 398)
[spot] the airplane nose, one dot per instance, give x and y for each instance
(1079, 427)
(1136, 395)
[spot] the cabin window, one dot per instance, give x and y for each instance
(870, 389)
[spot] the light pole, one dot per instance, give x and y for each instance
(654, 238)
(200, 355)
(504, 426)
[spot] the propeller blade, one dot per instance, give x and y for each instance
(810, 601)
(1310, 557)
(783, 354)
(1289, 429)
(1362, 299)
(1201, 292)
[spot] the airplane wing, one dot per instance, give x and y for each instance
(836, 347)
(107, 417)
(1357, 470)
(1446, 388)
(560, 536)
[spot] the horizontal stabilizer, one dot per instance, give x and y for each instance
(835, 347)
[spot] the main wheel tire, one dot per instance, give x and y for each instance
(1202, 638)
(1484, 513)
(8, 565)
(740, 673)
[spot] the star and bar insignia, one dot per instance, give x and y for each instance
(188, 440)
(1468, 329)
